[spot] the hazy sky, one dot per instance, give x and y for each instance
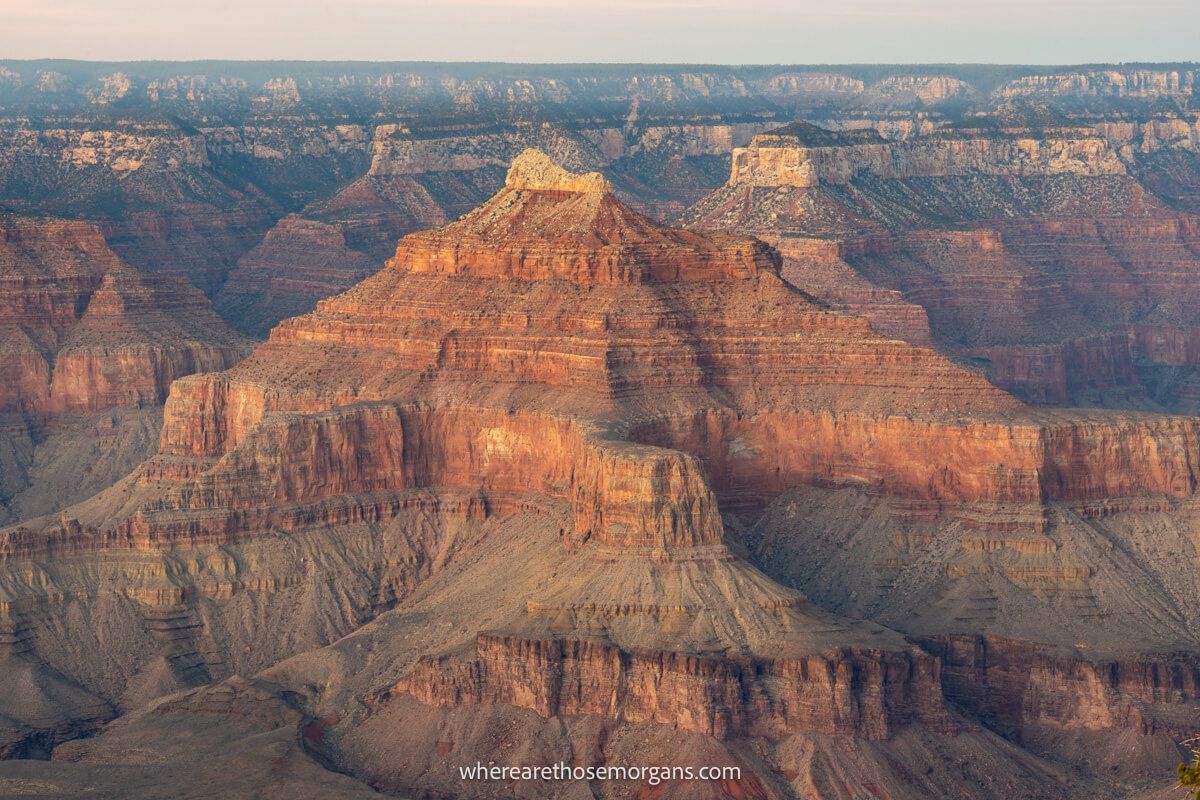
(709, 31)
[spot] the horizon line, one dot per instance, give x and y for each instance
(454, 62)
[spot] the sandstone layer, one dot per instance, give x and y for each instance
(91, 347)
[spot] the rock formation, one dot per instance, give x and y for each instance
(91, 347)
(417, 182)
(1033, 253)
(507, 465)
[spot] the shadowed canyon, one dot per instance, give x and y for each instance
(364, 423)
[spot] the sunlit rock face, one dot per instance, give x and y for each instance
(91, 347)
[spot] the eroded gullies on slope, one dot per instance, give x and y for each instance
(521, 436)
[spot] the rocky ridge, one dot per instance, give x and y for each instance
(416, 182)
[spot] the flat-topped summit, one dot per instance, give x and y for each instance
(803, 155)
(535, 171)
(550, 224)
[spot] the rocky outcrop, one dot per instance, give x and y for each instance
(89, 332)
(1126, 82)
(1057, 374)
(298, 262)
(625, 337)
(85, 332)
(867, 695)
(498, 242)
(417, 182)
(1024, 688)
(1064, 252)
(534, 171)
(161, 203)
(820, 265)
(804, 156)
(185, 167)
(1148, 136)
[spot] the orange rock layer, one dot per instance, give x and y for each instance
(1021, 686)
(1034, 253)
(865, 694)
(83, 331)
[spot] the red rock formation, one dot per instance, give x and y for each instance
(821, 263)
(1055, 374)
(85, 332)
(517, 235)
(1023, 687)
(867, 695)
(298, 262)
(91, 332)
(1066, 252)
(414, 183)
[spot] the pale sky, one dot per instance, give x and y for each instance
(680, 31)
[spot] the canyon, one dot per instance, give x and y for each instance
(659, 441)
(218, 172)
(606, 415)
(1034, 254)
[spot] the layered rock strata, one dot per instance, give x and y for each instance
(85, 334)
(557, 390)
(417, 182)
(1033, 252)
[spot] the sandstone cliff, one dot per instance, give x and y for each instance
(86, 337)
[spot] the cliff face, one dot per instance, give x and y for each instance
(1128, 82)
(89, 332)
(507, 299)
(298, 262)
(1057, 374)
(1035, 253)
(84, 333)
(1064, 706)
(482, 497)
(1019, 685)
(803, 156)
(867, 695)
